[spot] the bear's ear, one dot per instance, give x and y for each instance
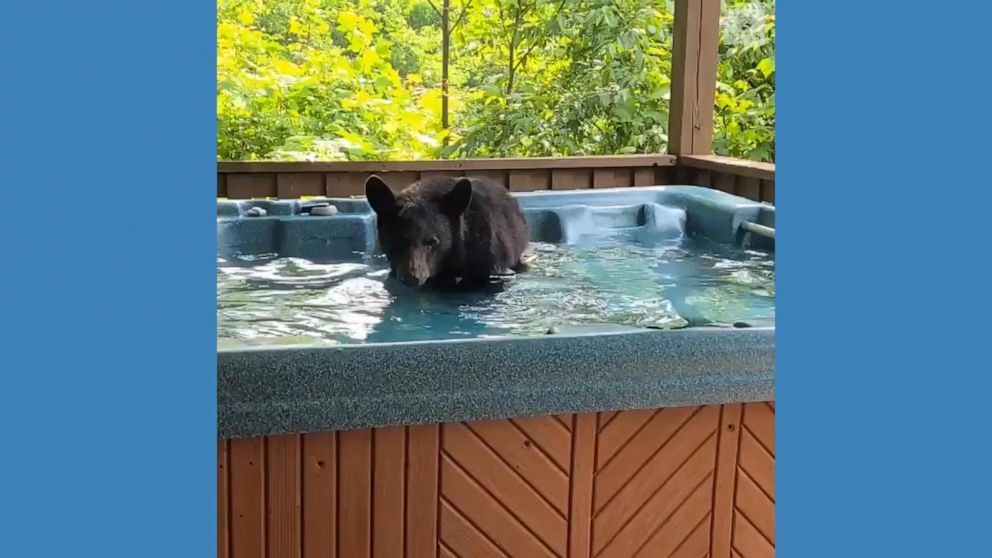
(456, 201)
(380, 197)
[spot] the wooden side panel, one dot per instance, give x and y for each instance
(748, 187)
(724, 182)
(745, 178)
(768, 191)
(388, 491)
(500, 176)
(726, 476)
(612, 178)
(460, 537)
(320, 497)
(397, 180)
(247, 498)
(353, 184)
(550, 436)
(616, 429)
(730, 165)
(685, 175)
(282, 463)
(653, 159)
(754, 505)
(344, 184)
(506, 481)
(645, 176)
(297, 184)
(571, 179)
(656, 492)
(703, 178)
(355, 493)
(605, 418)
(682, 482)
(223, 500)
(441, 173)
(529, 180)
(256, 185)
(583, 470)
(666, 175)
(422, 474)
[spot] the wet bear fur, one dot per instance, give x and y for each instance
(447, 231)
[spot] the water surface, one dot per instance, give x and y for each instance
(271, 300)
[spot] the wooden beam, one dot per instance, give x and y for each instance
(656, 160)
(694, 56)
(729, 165)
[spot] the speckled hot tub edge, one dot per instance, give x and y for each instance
(264, 391)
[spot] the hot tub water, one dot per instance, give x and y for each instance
(271, 300)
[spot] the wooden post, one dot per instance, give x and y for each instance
(444, 12)
(694, 56)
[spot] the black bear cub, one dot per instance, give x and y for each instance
(448, 230)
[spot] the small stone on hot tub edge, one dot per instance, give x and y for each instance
(256, 212)
(324, 210)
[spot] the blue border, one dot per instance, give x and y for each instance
(107, 394)
(107, 401)
(883, 311)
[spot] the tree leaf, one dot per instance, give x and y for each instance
(766, 66)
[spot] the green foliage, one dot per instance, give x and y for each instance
(745, 89)
(353, 80)
(553, 78)
(312, 79)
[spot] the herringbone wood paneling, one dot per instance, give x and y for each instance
(754, 496)
(508, 480)
(683, 482)
(653, 487)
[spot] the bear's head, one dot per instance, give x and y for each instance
(418, 228)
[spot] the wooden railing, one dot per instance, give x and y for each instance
(290, 180)
(241, 180)
(748, 179)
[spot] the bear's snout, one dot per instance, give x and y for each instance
(415, 268)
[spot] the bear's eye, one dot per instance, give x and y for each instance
(431, 241)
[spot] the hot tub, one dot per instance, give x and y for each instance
(584, 439)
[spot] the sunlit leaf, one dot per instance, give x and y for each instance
(245, 17)
(348, 21)
(767, 66)
(287, 67)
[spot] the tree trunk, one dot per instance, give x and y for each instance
(445, 46)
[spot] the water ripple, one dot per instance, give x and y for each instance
(265, 299)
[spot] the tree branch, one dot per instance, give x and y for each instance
(523, 58)
(435, 7)
(461, 16)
